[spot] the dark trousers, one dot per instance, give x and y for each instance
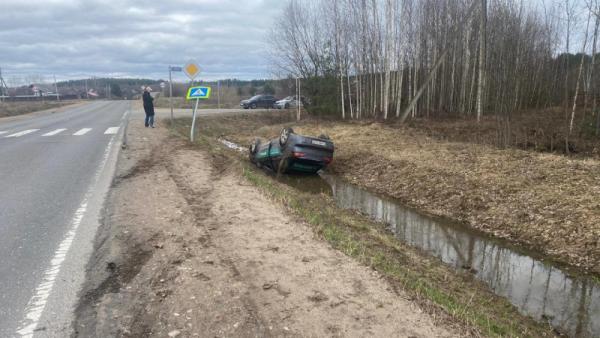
(149, 121)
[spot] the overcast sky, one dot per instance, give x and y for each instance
(124, 38)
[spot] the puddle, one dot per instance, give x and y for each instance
(538, 289)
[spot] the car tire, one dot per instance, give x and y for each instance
(284, 136)
(253, 106)
(287, 106)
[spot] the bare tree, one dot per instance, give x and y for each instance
(482, 51)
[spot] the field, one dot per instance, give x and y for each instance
(24, 107)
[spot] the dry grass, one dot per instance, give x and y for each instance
(539, 130)
(25, 107)
(547, 202)
(455, 299)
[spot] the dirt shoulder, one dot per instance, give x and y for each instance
(189, 248)
(547, 202)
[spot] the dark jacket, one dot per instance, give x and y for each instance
(148, 104)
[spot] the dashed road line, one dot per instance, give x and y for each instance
(111, 130)
(54, 132)
(21, 133)
(82, 131)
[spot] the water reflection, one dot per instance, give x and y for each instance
(537, 289)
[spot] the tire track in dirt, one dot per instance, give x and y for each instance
(188, 249)
(201, 208)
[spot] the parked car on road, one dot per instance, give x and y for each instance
(259, 101)
(289, 102)
(293, 153)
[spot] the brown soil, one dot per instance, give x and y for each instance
(547, 202)
(188, 248)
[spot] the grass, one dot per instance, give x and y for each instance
(25, 107)
(455, 299)
(431, 283)
(546, 203)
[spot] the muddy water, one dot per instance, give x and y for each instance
(536, 288)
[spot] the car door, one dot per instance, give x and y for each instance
(260, 101)
(269, 101)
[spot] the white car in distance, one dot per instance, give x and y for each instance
(288, 102)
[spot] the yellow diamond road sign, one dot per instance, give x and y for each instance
(191, 69)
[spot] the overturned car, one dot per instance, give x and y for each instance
(293, 153)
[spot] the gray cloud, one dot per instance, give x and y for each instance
(79, 38)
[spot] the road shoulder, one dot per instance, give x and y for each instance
(188, 248)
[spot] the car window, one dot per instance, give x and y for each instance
(255, 97)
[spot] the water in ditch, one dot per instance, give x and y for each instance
(539, 289)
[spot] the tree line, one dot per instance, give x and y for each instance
(426, 58)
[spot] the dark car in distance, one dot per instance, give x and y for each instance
(259, 101)
(293, 153)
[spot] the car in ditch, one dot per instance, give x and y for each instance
(293, 153)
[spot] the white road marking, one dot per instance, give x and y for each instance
(21, 133)
(54, 132)
(37, 303)
(111, 130)
(82, 131)
(3, 132)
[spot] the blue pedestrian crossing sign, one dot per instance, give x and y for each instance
(199, 92)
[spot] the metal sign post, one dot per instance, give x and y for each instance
(193, 121)
(172, 69)
(198, 93)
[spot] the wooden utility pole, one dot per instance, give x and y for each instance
(56, 89)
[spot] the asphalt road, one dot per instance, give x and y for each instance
(55, 170)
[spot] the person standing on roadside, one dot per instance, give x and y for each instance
(148, 107)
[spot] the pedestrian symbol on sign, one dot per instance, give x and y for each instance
(198, 93)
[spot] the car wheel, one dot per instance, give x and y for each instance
(285, 135)
(253, 106)
(324, 137)
(287, 106)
